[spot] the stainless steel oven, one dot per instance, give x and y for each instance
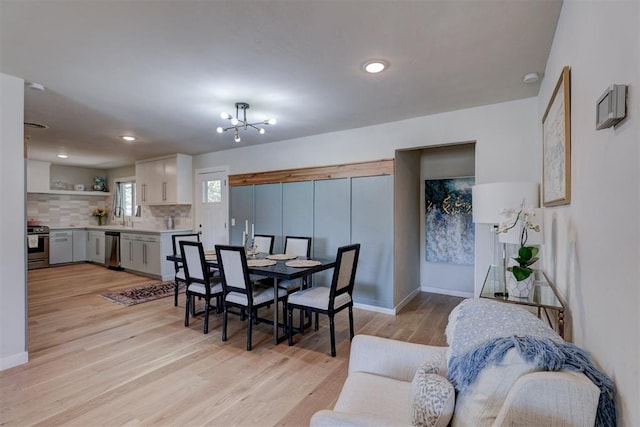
(37, 247)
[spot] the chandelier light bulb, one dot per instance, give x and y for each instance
(240, 122)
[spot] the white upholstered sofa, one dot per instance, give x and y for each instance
(381, 386)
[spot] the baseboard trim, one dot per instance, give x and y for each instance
(447, 292)
(374, 308)
(14, 360)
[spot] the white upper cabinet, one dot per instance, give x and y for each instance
(165, 181)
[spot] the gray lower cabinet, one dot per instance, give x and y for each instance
(146, 253)
(79, 245)
(60, 247)
(95, 246)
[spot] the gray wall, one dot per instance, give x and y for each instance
(451, 161)
(13, 303)
(407, 240)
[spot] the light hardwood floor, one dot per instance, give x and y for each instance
(93, 362)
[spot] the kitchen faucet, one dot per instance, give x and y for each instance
(121, 215)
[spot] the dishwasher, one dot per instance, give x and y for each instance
(112, 250)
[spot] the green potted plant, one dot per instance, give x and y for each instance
(514, 227)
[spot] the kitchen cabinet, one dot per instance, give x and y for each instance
(79, 245)
(141, 253)
(60, 247)
(165, 181)
(95, 246)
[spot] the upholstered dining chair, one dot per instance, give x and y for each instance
(299, 246)
(239, 290)
(199, 281)
(179, 271)
(329, 300)
(264, 243)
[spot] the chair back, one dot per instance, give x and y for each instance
(232, 263)
(264, 243)
(195, 266)
(299, 246)
(344, 273)
(175, 241)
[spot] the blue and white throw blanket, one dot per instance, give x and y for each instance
(485, 330)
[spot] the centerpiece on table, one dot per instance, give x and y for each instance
(100, 214)
(515, 227)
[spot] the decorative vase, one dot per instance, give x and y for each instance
(99, 220)
(519, 289)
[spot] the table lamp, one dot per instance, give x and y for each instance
(490, 199)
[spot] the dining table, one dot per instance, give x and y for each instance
(278, 271)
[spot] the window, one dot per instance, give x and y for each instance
(212, 191)
(124, 202)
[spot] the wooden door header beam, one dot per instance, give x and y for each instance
(348, 170)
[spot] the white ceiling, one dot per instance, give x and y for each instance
(164, 70)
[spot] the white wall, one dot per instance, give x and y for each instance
(594, 242)
(508, 147)
(13, 317)
(439, 163)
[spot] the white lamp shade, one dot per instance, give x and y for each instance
(534, 238)
(490, 199)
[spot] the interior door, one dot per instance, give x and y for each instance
(212, 208)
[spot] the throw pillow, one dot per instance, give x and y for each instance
(435, 364)
(433, 399)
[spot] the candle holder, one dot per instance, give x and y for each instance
(251, 249)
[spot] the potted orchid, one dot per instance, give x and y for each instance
(99, 213)
(521, 221)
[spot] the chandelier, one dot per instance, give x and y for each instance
(237, 123)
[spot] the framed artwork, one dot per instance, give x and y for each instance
(556, 144)
(449, 229)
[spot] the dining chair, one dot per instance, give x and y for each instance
(179, 271)
(264, 243)
(299, 246)
(239, 290)
(329, 300)
(199, 281)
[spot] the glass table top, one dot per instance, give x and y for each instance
(543, 295)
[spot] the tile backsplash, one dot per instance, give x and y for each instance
(62, 210)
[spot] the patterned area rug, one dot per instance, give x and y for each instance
(142, 294)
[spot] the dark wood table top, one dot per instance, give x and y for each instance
(280, 270)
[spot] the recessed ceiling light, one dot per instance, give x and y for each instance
(63, 156)
(531, 78)
(375, 66)
(128, 138)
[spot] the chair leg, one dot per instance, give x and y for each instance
(206, 316)
(176, 286)
(285, 324)
(290, 331)
(351, 322)
(249, 329)
(333, 336)
(186, 311)
(224, 323)
(316, 325)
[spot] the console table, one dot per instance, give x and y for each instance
(543, 297)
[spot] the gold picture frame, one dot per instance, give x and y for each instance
(556, 144)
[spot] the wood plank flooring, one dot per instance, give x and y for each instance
(93, 362)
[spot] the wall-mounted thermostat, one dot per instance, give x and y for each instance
(611, 106)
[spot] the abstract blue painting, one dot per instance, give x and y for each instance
(449, 226)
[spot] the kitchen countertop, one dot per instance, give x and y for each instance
(123, 229)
